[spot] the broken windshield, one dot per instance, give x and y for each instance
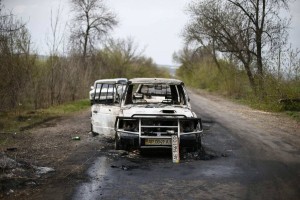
(155, 93)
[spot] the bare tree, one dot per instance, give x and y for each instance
(8, 22)
(118, 54)
(92, 21)
(246, 29)
(188, 57)
(55, 41)
(56, 38)
(15, 60)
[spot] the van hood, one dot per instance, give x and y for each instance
(156, 109)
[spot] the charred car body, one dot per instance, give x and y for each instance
(151, 111)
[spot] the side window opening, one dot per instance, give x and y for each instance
(128, 94)
(181, 95)
(174, 94)
(105, 93)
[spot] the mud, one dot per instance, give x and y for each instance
(48, 122)
(15, 175)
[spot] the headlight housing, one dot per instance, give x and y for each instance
(129, 125)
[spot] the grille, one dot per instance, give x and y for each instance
(166, 127)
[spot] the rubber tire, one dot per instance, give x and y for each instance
(117, 143)
(198, 144)
(93, 133)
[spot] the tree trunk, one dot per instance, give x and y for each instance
(260, 65)
(251, 78)
(85, 45)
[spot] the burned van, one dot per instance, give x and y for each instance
(152, 111)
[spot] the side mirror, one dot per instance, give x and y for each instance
(92, 88)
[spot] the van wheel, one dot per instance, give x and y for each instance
(198, 143)
(117, 142)
(92, 131)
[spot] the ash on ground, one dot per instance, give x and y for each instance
(16, 174)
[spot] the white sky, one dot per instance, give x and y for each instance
(154, 24)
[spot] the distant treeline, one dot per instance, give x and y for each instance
(240, 49)
(30, 82)
(199, 70)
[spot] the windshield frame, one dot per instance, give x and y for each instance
(171, 94)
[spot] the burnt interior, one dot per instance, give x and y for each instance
(158, 127)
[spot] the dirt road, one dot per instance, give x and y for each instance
(250, 155)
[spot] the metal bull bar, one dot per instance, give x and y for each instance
(140, 127)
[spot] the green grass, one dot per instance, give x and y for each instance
(16, 121)
(267, 105)
(68, 107)
(294, 114)
(270, 106)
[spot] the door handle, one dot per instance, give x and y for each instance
(95, 111)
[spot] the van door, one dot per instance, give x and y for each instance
(105, 108)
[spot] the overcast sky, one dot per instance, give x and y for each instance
(154, 24)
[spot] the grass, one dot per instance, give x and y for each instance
(295, 115)
(233, 83)
(13, 122)
(291, 110)
(68, 107)
(269, 106)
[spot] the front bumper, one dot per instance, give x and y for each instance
(166, 127)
